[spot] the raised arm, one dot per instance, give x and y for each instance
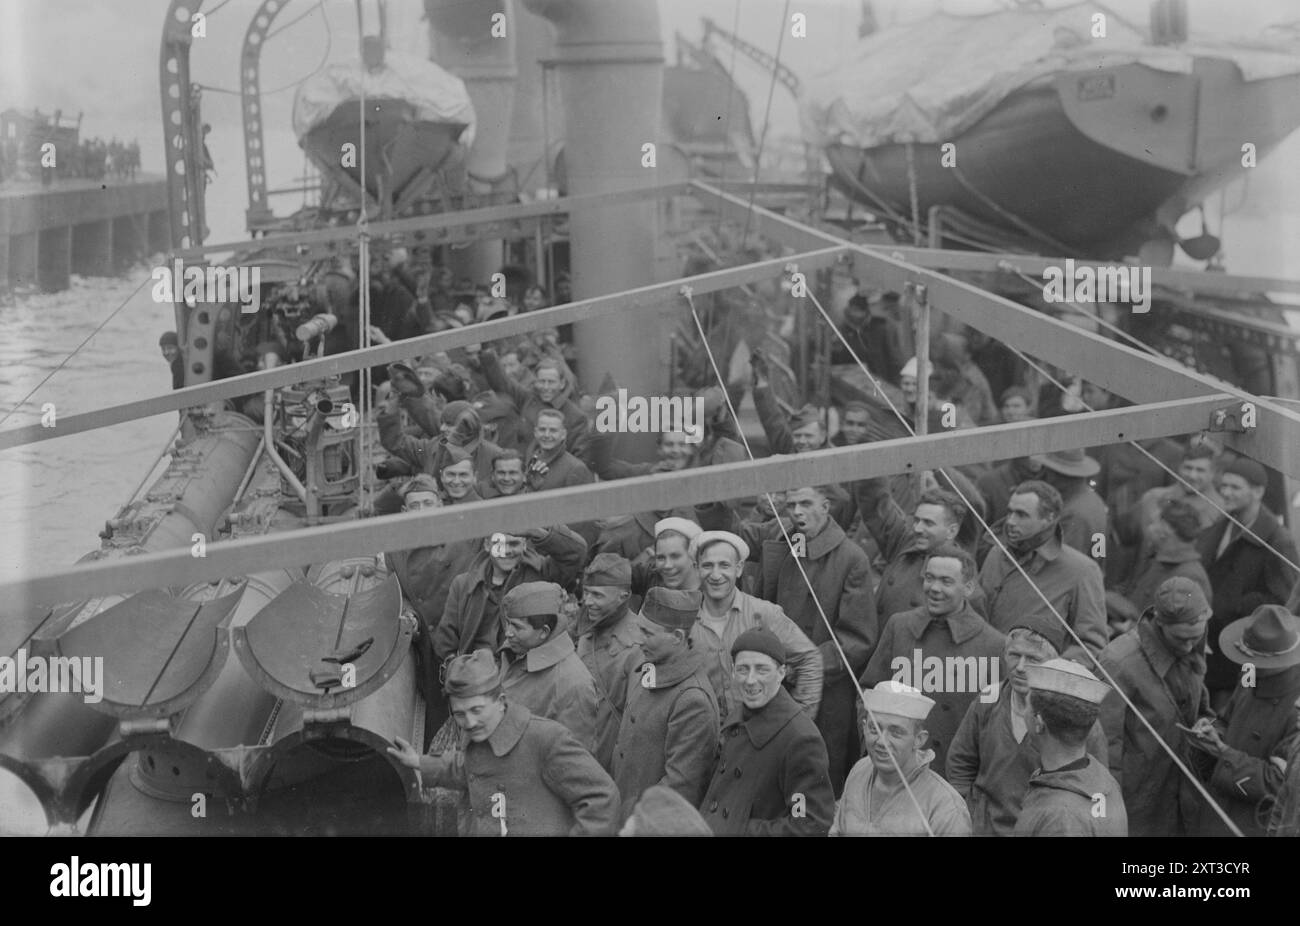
(501, 384)
(565, 553)
(857, 624)
(887, 523)
(803, 660)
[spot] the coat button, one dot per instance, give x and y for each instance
(737, 773)
(946, 707)
(713, 807)
(725, 812)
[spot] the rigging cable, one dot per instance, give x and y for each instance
(1196, 782)
(86, 340)
(767, 121)
(1147, 348)
(687, 294)
(363, 293)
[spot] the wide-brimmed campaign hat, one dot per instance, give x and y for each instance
(1069, 463)
(1268, 639)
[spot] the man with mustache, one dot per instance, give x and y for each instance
(526, 775)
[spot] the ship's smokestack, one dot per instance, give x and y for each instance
(462, 40)
(609, 67)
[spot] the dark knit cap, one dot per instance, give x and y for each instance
(759, 640)
(1248, 469)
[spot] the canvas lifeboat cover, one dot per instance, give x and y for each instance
(436, 95)
(930, 80)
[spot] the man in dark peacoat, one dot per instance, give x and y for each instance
(943, 648)
(841, 579)
(771, 778)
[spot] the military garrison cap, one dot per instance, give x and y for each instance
(471, 674)
(676, 609)
(530, 599)
(608, 570)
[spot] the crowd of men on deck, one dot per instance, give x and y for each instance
(1100, 641)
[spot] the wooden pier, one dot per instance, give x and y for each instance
(87, 227)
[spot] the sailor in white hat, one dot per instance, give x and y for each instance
(1071, 793)
(671, 562)
(907, 383)
(875, 800)
(726, 612)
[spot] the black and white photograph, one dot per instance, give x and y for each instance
(626, 418)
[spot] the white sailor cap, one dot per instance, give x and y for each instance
(893, 697)
(684, 526)
(1068, 678)
(708, 537)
